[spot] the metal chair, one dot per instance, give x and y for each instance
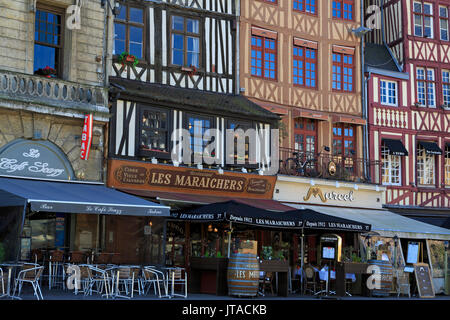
(152, 276)
(402, 283)
(125, 276)
(2, 279)
(101, 280)
(311, 279)
(265, 280)
(30, 274)
(177, 276)
(56, 269)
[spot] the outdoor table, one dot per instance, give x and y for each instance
(323, 275)
(10, 266)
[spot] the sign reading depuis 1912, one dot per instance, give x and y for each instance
(135, 175)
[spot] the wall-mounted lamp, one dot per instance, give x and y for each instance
(337, 184)
(356, 187)
(200, 166)
(244, 170)
(311, 182)
(220, 171)
(154, 160)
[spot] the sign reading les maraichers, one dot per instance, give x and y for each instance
(160, 177)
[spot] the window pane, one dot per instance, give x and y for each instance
(136, 15)
(177, 42)
(122, 13)
(44, 56)
(192, 26)
(178, 23)
(136, 42)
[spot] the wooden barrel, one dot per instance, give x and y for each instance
(386, 279)
(243, 275)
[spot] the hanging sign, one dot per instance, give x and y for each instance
(86, 136)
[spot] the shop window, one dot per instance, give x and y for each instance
(447, 165)
(306, 6)
(343, 67)
(48, 42)
(343, 9)
(426, 87)
(423, 19)
(154, 131)
(305, 67)
(175, 244)
(425, 166)
(185, 41)
(446, 87)
(391, 167)
(443, 23)
(388, 92)
(263, 56)
(129, 31)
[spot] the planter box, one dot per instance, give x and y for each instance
(274, 266)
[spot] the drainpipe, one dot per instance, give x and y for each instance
(363, 100)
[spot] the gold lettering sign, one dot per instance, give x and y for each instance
(315, 191)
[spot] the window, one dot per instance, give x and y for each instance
(343, 9)
(305, 66)
(129, 31)
(48, 42)
(443, 23)
(388, 92)
(446, 87)
(185, 40)
(426, 87)
(308, 6)
(344, 140)
(423, 20)
(425, 166)
(447, 165)
(342, 72)
(198, 127)
(154, 130)
(391, 167)
(305, 135)
(264, 57)
(237, 126)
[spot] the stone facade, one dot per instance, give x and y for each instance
(63, 132)
(81, 47)
(53, 109)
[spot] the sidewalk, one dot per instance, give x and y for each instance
(59, 294)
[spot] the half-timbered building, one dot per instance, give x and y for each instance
(175, 68)
(410, 110)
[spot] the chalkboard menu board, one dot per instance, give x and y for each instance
(424, 281)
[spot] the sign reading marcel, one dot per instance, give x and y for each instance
(36, 159)
(137, 175)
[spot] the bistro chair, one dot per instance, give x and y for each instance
(56, 268)
(402, 283)
(30, 274)
(311, 279)
(2, 279)
(178, 276)
(265, 280)
(152, 276)
(77, 257)
(125, 276)
(101, 280)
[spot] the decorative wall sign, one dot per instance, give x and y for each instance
(36, 159)
(317, 192)
(423, 279)
(142, 175)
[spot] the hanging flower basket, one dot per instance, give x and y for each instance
(47, 72)
(129, 59)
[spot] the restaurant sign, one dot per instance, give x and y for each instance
(135, 175)
(35, 159)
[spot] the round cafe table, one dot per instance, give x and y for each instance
(10, 266)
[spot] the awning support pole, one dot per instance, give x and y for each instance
(21, 230)
(229, 240)
(302, 261)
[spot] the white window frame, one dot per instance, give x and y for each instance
(426, 167)
(389, 162)
(386, 93)
(446, 22)
(426, 87)
(422, 22)
(446, 87)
